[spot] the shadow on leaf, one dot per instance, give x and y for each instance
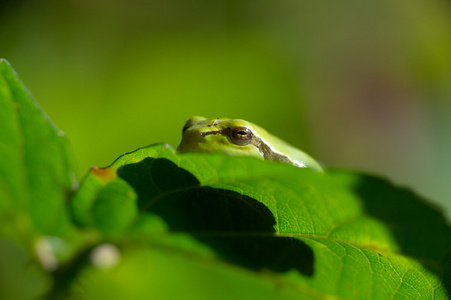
(240, 228)
(421, 231)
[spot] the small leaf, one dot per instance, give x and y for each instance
(36, 179)
(36, 169)
(288, 232)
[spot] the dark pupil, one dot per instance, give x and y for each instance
(241, 136)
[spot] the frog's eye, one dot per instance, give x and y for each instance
(241, 136)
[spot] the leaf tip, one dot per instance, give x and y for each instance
(5, 63)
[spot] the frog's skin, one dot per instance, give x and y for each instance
(239, 137)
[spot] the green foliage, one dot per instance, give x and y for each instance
(194, 226)
(36, 180)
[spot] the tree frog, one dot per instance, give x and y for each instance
(239, 137)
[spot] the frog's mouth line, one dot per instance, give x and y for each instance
(266, 151)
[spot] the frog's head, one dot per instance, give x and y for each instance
(239, 137)
(229, 136)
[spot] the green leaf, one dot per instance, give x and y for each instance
(36, 170)
(210, 226)
(36, 179)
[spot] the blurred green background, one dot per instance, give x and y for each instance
(361, 85)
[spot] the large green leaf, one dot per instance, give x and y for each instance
(209, 226)
(36, 179)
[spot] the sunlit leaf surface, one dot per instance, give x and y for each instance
(249, 226)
